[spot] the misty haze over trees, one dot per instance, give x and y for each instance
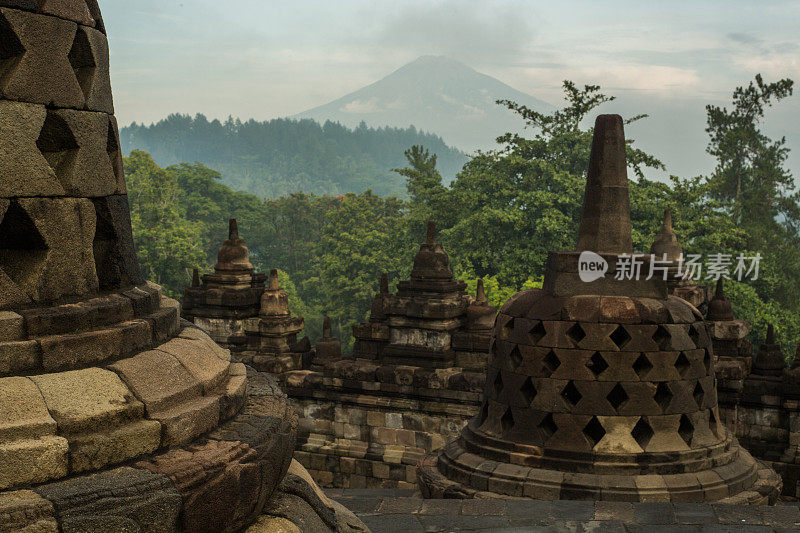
(282, 156)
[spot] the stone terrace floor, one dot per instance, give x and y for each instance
(403, 511)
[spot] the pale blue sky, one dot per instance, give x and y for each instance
(263, 59)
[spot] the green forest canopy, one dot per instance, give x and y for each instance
(278, 157)
(498, 218)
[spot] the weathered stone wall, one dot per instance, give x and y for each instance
(367, 426)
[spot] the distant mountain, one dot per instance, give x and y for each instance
(281, 156)
(435, 94)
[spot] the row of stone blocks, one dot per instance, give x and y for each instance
(94, 331)
(460, 473)
(87, 417)
(221, 483)
(61, 152)
(360, 433)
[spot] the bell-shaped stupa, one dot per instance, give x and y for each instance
(226, 299)
(114, 414)
(600, 389)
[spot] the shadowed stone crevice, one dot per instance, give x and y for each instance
(23, 251)
(59, 147)
(82, 60)
(11, 51)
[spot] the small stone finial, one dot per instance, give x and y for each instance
(384, 284)
(430, 237)
(326, 328)
(769, 360)
(233, 229)
(606, 215)
(719, 291)
(719, 308)
(274, 285)
(770, 334)
(480, 293)
(195, 278)
(666, 227)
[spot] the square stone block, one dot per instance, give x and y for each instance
(91, 399)
(12, 326)
(24, 168)
(42, 73)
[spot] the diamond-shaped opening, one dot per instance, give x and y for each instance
(498, 385)
(662, 337)
(58, 146)
(82, 60)
(22, 248)
(617, 397)
(663, 395)
(576, 333)
(548, 426)
(105, 244)
(507, 328)
(686, 429)
(483, 414)
(113, 150)
(537, 332)
(707, 361)
(620, 337)
(594, 431)
(507, 421)
(11, 51)
(528, 391)
(642, 433)
(682, 364)
(515, 358)
(642, 366)
(571, 394)
(597, 364)
(493, 352)
(699, 393)
(694, 334)
(713, 423)
(550, 363)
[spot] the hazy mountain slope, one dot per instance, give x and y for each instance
(282, 156)
(435, 94)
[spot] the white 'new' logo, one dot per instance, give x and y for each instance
(591, 266)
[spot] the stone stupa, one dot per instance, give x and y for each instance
(229, 296)
(600, 390)
(114, 414)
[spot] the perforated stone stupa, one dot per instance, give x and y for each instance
(225, 300)
(602, 390)
(114, 414)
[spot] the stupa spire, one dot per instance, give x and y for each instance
(384, 284)
(480, 292)
(195, 278)
(233, 229)
(606, 217)
(430, 236)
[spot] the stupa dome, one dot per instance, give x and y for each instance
(600, 389)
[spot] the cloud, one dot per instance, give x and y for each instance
(643, 77)
(361, 106)
(472, 31)
(744, 38)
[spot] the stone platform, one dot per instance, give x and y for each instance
(404, 511)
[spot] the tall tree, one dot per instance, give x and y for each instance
(759, 191)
